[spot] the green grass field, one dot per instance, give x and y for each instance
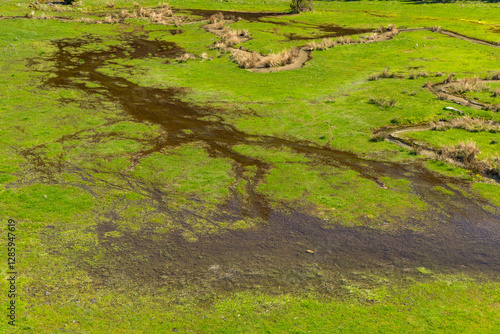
(153, 194)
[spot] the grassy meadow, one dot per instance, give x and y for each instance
(159, 187)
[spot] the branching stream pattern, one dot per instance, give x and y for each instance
(467, 238)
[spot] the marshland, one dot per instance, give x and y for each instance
(251, 166)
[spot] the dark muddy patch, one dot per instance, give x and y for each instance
(249, 16)
(293, 252)
(343, 31)
(465, 236)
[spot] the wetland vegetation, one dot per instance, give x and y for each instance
(237, 167)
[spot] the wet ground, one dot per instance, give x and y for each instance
(325, 30)
(464, 235)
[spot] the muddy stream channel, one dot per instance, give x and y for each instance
(465, 238)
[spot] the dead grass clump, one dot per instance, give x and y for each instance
(442, 96)
(29, 15)
(110, 5)
(495, 92)
(383, 102)
(218, 25)
(344, 40)
(493, 164)
(43, 17)
(495, 76)
(58, 8)
(282, 58)
(465, 152)
(467, 85)
(492, 107)
(109, 19)
(376, 137)
(216, 18)
(421, 74)
(435, 29)
(439, 74)
(158, 16)
(449, 78)
(325, 44)
(468, 124)
(185, 57)
(86, 20)
(246, 59)
(385, 74)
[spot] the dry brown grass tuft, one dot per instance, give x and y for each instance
(385, 74)
(435, 29)
(466, 85)
(282, 58)
(43, 17)
(442, 96)
(383, 102)
(216, 18)
(58, 8)
(110, 5)
(185, 57)
(495, 92)
(495, 76)
(468, 124)
(109, 19)
(86, 20)
(246, 59)
(449, 78)
(492, 107)
(326, 43)
(376, 137)
(464, 152)
(344, 40)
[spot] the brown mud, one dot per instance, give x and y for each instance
(232, 15)
(465, 236)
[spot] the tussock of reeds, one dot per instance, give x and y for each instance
(326, 43)
(282, 58)
(185, 57)
(86, 20)
(449, 78)
(468, 124)
(492, 107)
(385, 74)
(442, 96)
(58, 8)
(495, 76)
(464, 152)
(161, 15)
(216, 18)
(383, 102)
(376, 137)
(466, 85)
(246, 59)
(232, 37)
(421, 74)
